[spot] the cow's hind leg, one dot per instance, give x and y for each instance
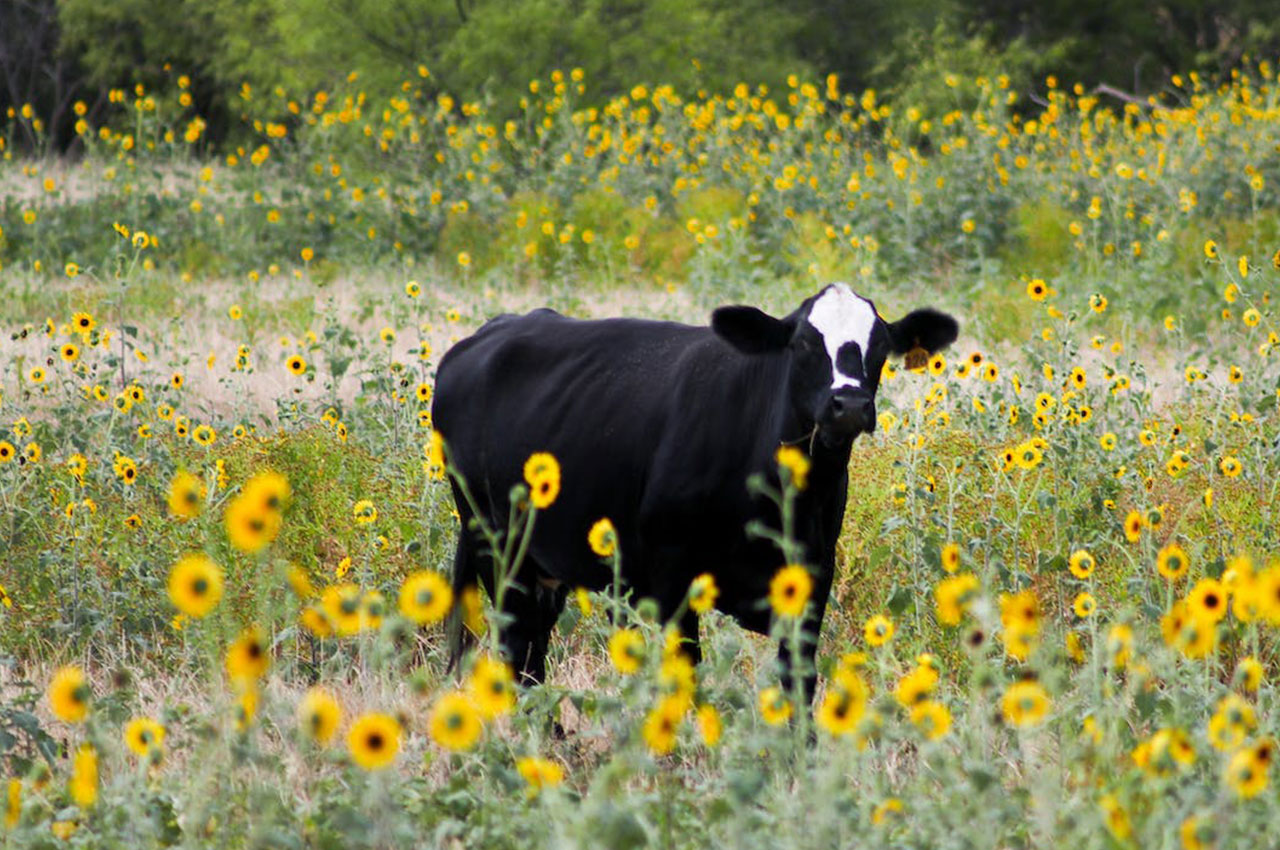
(529, 615)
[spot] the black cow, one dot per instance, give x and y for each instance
(657, 426)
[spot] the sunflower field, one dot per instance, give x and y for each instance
(226, 527)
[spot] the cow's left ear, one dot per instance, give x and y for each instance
(752, 331)
(925, 328)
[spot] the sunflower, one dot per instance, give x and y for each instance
(1025, 704)
(341, 606)
(1037, 290)
(425, 597)
(710, 726)
(1245, 774)
(1081, 564)
(204, 435)
(364, 512)
(83, 785)
(267, 491)
(539, 773)
(844, 705)
(1133, 524)
(796, 463)
(1172, 562)
(1229, 466)
(69, 352)
(626, 651)
(186, 492)
(143, 736)
(248, 658)
(953, 596)
(775, 708)
(492, 687)
(932, 718)
(319, 715)
(195, 585)
(1084, 605)
(374, 741)
(916, 686)
(1249, 673)
(703, 593)
(455, 723)
(789, 590)
(1197, 833)
(1232, 722)
(296, 364)
(69, 695)
(250, 527)
(603, 538)
(662, 723)
(1208, 599)
(83, 323)
(542, 472)
(7, 451)
(950, 557)
(878, 630)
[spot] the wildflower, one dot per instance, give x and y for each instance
(703, 593)
(1081, 564)
(1037, 290)
(710, 725)
(950, 557)
(1210, 249)
(539, 773)
(775, 708)
(844, 705)
(319, 715)
(796, 463)
(296, 364)
(1117, 819)
(186, 492)
(916, 686)
(195, 585)
(1133, 524)
(1084, 605)
(364, 512)
(789, 590)
(1246, 774)
(1232, 722)
(1172, 562)
(1229, 466)
(1025, 704)
(932, 718)
(492, 687)
(889, 808)
(374, 740)
(1208, 599)
(603, 538)
(83, 786)
(69, 695)
(626, 651)
(1249, 673)
(247, 659)
(662, 723)
(953, 596)
(542, 472)
(878, 630)
(143, 736)
(425, 597)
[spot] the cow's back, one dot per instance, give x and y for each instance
(636, 412)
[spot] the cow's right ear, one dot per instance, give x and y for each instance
(751, 331)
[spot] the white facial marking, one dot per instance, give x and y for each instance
(840, 315)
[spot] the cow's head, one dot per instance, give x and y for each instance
(838, 345)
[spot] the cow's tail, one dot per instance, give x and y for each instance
(465, 595)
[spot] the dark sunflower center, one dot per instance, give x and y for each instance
(253, 650)
(376, 741)
(200, 586)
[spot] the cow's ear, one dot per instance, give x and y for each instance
(926, 328)
(752, 331)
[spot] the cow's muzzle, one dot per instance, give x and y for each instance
(850, 412)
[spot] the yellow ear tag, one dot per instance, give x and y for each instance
(916, 358)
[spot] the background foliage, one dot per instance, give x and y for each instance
(53, 52)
